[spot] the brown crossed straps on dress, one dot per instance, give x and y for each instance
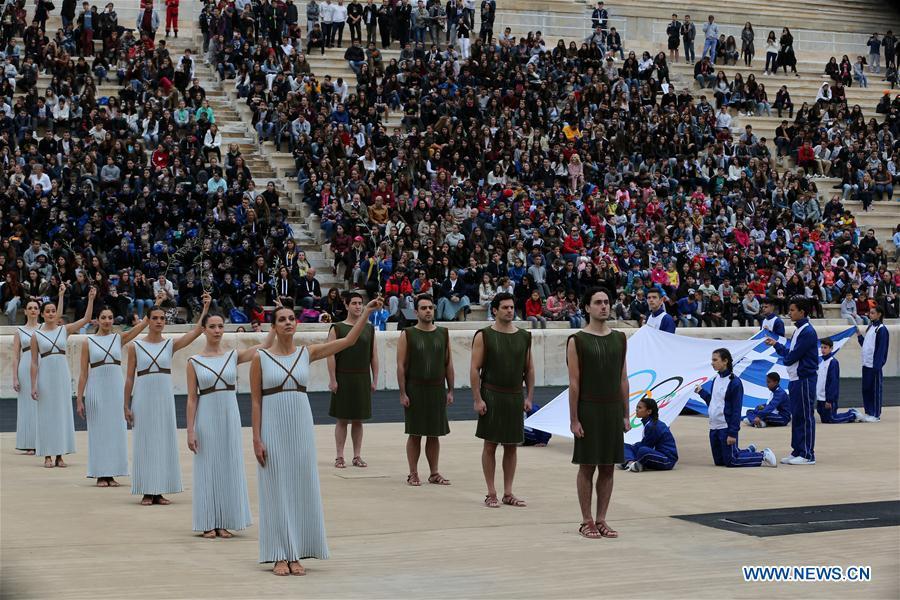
(290, 376)
(107, 353)
(25, 347)
(154, 360)
(54, 349)
(209, 390)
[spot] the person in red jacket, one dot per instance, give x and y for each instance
(572, 244)
(399, 291)
(172, 16)
(806, 157)
(534, 311)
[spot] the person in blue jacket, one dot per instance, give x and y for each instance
(828, 388)
(770, 319)
(874, 354)
(802, 362)
(777, 412)
(656, 450)
(725, 400)
(658, 317)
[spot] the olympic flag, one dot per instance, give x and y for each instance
(664, 366)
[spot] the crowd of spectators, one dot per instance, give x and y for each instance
(517, 166)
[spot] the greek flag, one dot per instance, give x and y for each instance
(759, 362)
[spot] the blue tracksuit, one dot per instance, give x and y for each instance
(776, 412)
(774, 324)
(873, 359)
(661, 320)
(829, 390)
(802, 362)
(656, 450)
(725, 403)
(534, 436)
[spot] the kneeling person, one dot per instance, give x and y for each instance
(777, 412)
(501, 361)
(656, 450)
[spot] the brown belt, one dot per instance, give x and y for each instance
(149, 372)
(48, 353)
(26, 348)
(434, 382)
(101, 363)
(500, 389)
(280, 388)
(229, 387)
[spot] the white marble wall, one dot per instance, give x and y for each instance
(548, 347)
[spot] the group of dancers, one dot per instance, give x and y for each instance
(291, 518)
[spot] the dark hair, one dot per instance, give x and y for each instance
(210, 315)
(586, 299)
(652, 406)
(880, 310)
(280, 308)
(422, 297)
(36, 302)
(348, 296)
(106, 308)
(156, 307)
(654, 290)
(773, 376)
(827, 342)
(725, 355)
(498, 298)
(801, 303)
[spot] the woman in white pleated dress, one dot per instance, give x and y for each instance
(51, 381)
(26, 407)
(150, 409)
(220, 500)
(291, 522)
(99, 399)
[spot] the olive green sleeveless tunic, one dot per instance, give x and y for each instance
(502, 378)
(353, 399)
(600, 404)
(426, 371)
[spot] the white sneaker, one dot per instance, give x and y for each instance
(636, 467)
(871, 419)
(751, 447)
(625, 466)
(858, 417)
(787, 459)
(799, 460)
(769, 458)
(762, 424)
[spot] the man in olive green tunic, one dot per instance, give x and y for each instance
(598, 408)
(424, 365)
(501, 361)
(353, 376)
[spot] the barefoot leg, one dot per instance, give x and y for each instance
(48, 462)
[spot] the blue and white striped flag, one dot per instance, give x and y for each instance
(759, 362)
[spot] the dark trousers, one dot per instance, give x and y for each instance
(356, 32)
(872, 387)
(370, 33)
(803, 421)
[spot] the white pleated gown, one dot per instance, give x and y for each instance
(155, 468)
(107, 430)
(26, 407)
(220, 498)
(55, 420)
(291, 522)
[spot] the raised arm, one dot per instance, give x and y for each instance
(186, 339)
(62, 298)
(247, 354)
(475, 364)
(192, 398)
(88, 313)
(129, 381)
(320, 351)
(83, 376)
(136, 330)
(259, 449)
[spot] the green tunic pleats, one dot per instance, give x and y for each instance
(502, 377)
(600, 404)
(426, 372)
(353, 398)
